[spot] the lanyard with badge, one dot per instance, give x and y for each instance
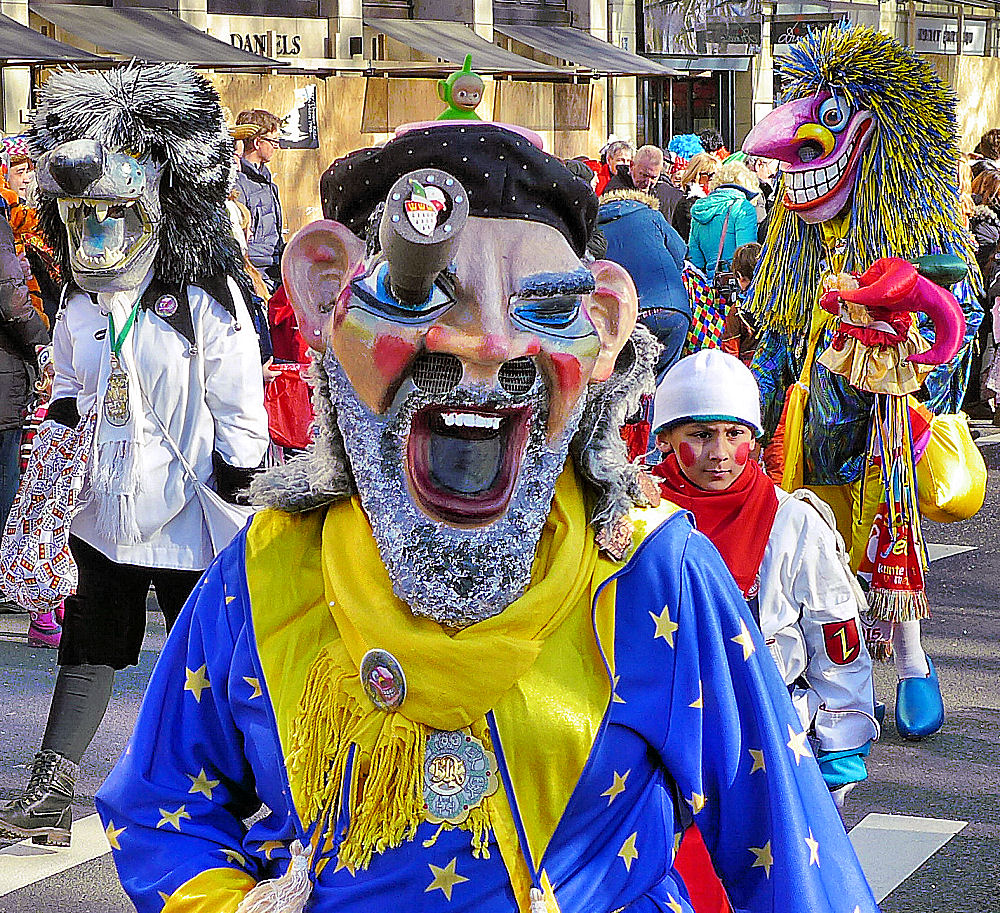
(116, 407)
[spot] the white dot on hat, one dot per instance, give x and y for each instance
(500, 157)
(443, 145)
(465, 158)
(486, 175)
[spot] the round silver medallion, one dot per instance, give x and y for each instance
(383, 679)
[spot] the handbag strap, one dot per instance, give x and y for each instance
(722, 237)
(185, 465)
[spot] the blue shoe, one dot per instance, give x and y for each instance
(919, 708)
(880, 712)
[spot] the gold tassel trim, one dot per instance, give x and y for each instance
(385, 794)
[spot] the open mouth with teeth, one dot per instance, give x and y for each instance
(807, 187)
(462, 462)
(104, 234)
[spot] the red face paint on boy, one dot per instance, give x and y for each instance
(711, 455)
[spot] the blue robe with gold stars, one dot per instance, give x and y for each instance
(691, 721)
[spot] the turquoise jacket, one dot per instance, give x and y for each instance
(708, 216)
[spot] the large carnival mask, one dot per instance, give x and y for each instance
(458, 354)
(820, 140)
(109, 203)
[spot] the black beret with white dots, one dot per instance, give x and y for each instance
(505, 175)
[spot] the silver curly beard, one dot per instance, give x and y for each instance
(456, 577)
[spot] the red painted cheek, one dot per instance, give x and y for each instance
(685, 453)
(392, 355)
(742, 454)
(568, 370)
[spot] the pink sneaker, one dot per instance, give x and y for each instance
(43, 630)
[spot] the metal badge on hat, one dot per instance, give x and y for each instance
(458, 774)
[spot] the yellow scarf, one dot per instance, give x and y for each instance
(446, 688)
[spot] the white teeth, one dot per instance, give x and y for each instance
(101, 211)
(807, 185)
(471, 420)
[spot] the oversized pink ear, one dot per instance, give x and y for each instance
(612, 307)
(318, 263)
(949, 322)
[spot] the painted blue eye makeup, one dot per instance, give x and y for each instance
(549, 313)
(551, 301)
(373, 290)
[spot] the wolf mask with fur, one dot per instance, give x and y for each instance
(134, 166)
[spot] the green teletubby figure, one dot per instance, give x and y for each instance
(461, 92)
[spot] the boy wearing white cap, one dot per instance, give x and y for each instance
(783, 550)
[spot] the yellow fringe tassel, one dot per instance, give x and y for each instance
(386, 794)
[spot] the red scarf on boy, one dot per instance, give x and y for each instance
(737, 520)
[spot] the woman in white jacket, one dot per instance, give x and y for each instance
(155, 345)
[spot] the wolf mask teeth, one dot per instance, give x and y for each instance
(109, 203)
(135, 164)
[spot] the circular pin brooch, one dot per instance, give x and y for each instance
(383, 679)
(166, 306)
(458, 774)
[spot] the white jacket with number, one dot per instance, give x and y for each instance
(808, 601)
(203, 377)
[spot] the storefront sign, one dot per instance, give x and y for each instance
(730, 27)
(789, 31)
(271, 36)
(940, 36)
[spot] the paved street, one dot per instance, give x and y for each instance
(927, 823)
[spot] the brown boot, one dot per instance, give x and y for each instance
(43, 813)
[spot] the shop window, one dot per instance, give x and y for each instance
(291, 8)
(532, 12)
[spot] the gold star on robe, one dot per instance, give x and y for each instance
(664, 626)
(617, 786)
(201, 784)
(628, 852)
(196, 681)
(813, 845)
(173, 818)
(758, 760)
(352, 871)
(699, 702)
(764, 858)
(797, 743)
(444, 879)
(744, 640)
(673, 905)
(269, 846)
(229, 599)
(113, 833)
(254, 684)
(234, 856)
(616, 698)
(697, 802)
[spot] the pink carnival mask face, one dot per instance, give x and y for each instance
(820, 141)
(457, 411)
(515, 312)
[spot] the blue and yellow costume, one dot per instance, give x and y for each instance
(645, 700)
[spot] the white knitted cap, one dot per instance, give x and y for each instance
(708, 386)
